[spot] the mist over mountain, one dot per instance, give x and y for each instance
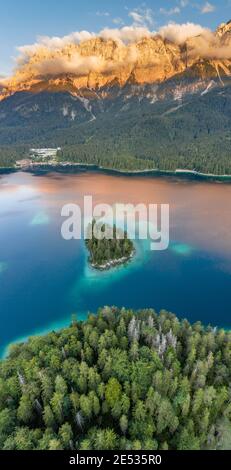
(125, 95)
(131, 55)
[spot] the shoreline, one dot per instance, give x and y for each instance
(113, 263)
(181, 172)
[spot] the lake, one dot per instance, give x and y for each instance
(45, 279)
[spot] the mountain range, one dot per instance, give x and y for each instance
(160, 101)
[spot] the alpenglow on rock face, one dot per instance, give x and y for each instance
(103, 63)
(98, 63)
(134, 101)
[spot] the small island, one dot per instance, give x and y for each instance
(108, 253)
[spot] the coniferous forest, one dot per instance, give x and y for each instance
(120, 380)
(196, 136)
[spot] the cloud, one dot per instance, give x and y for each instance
(202, 42)
(54, 42)
(83, 65)
(118, 21)
(76, 64)
(73, 38)
(179, 33)
(102, 13)
(127, 34)
(171, 11)
(51, 56)
(141, 17)
(210, 46)
(208, 8)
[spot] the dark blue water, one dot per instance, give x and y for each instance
(44, 279)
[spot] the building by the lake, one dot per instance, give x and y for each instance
(44, 153)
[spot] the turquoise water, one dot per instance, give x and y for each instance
(44, 279)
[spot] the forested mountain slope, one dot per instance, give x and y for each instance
(125, 133)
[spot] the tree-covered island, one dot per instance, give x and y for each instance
(106, 253)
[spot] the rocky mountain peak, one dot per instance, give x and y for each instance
(224, 28)
(100, 62)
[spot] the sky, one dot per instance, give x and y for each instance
(22, 22)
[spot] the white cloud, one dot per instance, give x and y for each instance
(142, 17)
(136, 16)
(54, 42)
(77, 64)
(171, 11)
(210, 46)
(127, 34)
(118, 21)
(208, 8)
(203, 42)
(81, 66)
(102, 13)
(53, 57)
(179, 33)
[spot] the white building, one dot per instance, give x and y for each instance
(44, 153)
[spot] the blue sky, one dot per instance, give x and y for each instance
(22, 21)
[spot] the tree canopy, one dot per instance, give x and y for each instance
(108, 245)
(119, 380)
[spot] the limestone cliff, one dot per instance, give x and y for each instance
(99, 64)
